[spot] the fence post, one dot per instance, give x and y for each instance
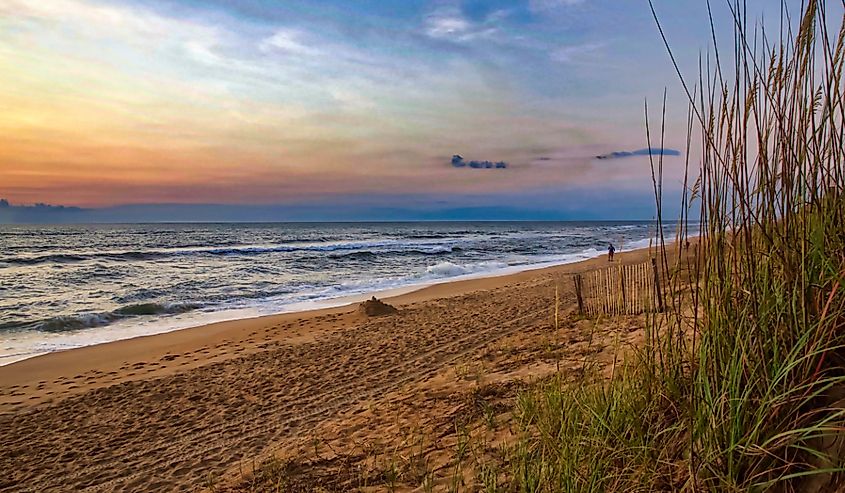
(624, 309)
(657, 291)
(577, 279)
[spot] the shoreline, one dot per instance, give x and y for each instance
(127, 330)
(42, 377)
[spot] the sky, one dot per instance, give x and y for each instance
(361, 105)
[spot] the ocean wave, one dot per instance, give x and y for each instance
(444, 236)
(362, 255)
(74, 322)
(419, 244)
(436, 272)
(450, 269)
(436, 250)
(58, 258)
(66, 323)
(155, 309)
(390, 246)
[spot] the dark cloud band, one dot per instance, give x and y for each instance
(459, 162)
(640, 152)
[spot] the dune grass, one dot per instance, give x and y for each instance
(741, 385)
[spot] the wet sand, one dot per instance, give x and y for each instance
(171, 411)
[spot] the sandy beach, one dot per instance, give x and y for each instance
(188, 409)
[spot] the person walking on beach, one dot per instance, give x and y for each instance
(610, 251)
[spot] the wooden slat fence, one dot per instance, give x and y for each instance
(619, 290)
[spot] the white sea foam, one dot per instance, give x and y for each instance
(449, 269)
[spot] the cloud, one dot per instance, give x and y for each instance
(575, 53)
(125, 22)
(442, 26)
(458, 162)
(448, 23)
(640, 152)
(540, 6)
(288, 41)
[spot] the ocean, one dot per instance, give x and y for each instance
(70, 286)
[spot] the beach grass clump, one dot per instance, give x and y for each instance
(741, 384)
(596, 437)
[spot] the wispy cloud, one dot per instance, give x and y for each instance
(448, 23)
(289, 41)
(576, 53)
(539, 6)
(441, 25)
(123, 21)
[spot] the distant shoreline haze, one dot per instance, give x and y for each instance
(569, 206)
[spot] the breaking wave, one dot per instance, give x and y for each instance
(88, 320)
(363, 247)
